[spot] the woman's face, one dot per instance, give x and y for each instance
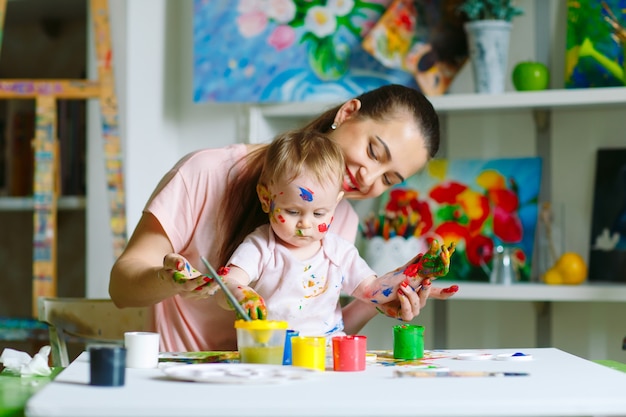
(378, 154)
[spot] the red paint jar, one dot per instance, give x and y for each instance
(349, 353)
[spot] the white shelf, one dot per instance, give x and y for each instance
(537, 292)
(26, 203)
(548, 99)
(268, 119)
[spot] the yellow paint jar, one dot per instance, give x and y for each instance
(261, 341)
(309, 352)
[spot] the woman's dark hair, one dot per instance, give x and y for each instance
(386, 103)
(241, 211)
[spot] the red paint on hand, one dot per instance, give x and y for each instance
(451, 289)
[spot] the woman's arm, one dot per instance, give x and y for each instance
(143, 275)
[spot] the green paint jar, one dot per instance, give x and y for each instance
(408, 341)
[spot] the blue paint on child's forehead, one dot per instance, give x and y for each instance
(306, 195)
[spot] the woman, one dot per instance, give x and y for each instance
(207, 204)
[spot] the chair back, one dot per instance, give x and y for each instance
(88, 321)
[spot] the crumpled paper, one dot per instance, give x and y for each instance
(21, 363)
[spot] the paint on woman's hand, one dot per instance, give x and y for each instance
(188, 272)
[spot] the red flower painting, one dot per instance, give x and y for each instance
(475, 204)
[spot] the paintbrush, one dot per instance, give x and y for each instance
(226, 290)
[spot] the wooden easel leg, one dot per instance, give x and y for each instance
(45, 195)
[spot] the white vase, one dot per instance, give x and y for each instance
(488, 45)
(385, 255)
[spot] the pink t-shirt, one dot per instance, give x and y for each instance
(185, 203)
(303, 293)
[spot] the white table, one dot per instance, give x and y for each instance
(559, 384)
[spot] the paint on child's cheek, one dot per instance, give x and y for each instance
(323, 228)
(280, 218)
(306, 194)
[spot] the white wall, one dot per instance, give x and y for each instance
(153, 58)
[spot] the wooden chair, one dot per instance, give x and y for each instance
(88, 321)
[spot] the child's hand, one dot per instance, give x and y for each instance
(252, 303)
(433, 264)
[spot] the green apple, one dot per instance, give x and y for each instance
(530, 76)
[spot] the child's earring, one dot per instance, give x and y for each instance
(333, 126)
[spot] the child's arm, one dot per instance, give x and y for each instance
(236, 279)
(433, 264)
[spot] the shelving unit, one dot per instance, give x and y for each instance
(266, 120)
(26, 203)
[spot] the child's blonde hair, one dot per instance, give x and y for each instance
(293, 153)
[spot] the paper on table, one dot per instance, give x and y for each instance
(21, 363)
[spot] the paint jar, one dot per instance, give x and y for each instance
(287, 353)
(142, 349)
(349, 353)
(261, 341)
(408, 341)
(309, 352)
(107, 366)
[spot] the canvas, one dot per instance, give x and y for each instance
(607, 258)
(296, 50)
(477, 204)
(595, 45)
(283, 51)
(424, 38)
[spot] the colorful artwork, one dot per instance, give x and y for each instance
(607, 260)
(596, 41)
(424, 38)
(476, 204)
(289, 50)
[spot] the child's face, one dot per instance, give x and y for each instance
(302, 210)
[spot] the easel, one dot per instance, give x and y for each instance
(46, 182)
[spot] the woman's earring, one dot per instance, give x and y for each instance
(333, 126)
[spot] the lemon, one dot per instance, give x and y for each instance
(552, 277)
(572, 268)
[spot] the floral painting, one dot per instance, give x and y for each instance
(477, 204)
(596, 41)
(286, 50)
(290, 50)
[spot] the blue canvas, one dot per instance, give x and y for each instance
(255, 51)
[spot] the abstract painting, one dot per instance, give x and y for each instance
(476, 204)
(424, 38)
(596, 40)
(607, 260)
(300, 50)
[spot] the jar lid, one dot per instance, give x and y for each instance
(261, 324)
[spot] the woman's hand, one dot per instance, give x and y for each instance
(411, 301)
(189, 282)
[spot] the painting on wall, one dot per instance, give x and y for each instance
(596, 41)
(607, 258)
(312, 50)
(476, 204)
(424, 38)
